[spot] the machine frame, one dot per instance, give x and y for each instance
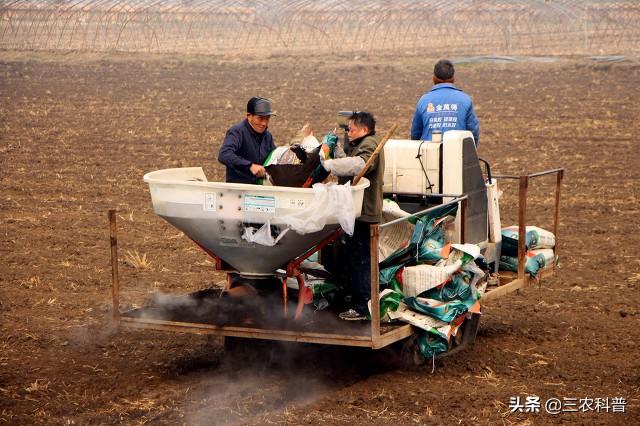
(373, 334)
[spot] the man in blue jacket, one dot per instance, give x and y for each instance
(248, 143)
(444, 108)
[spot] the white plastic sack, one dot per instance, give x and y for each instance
(262, 235)
(330, 202)
(306, 139)
(391, 210)
(309, 143)
(275, 155)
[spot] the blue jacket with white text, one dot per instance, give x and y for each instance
(444, 108)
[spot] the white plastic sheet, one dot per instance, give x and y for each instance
(330, 202)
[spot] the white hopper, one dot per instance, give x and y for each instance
(214, 215)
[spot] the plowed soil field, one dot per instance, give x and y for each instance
(78, 132)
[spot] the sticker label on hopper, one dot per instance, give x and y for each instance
(259, 204)
(210, 201)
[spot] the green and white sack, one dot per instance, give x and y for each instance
(535, 238)
(535, 260)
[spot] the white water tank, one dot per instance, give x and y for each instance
(411, 167)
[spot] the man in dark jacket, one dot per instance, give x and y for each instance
(362, 143)
(248, 143)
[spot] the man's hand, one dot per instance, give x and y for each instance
(257, 170)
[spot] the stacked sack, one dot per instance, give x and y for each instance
(539, 244)
(431, 283)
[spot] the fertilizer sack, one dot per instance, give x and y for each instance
(444, 311)
(390, 300)
(535, 260)
(536, 238)
(395, 237)
(426, 241)
(431, 344)
(458, 288)
(420, 278)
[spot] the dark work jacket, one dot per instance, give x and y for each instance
(372, 202)
(242, 147)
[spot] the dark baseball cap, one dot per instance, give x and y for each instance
(259, 106)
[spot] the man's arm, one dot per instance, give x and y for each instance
(473, 124)
(228, 151)
(271, 143)
(416, 124)
(338, 151)
(347, 166)
(351, 166)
